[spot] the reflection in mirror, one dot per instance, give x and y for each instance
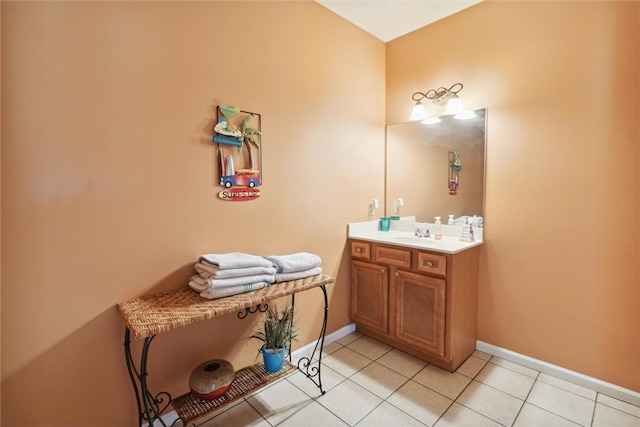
(418, 168)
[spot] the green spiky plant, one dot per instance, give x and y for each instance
(277, 331)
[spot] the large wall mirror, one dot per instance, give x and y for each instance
(419, 168)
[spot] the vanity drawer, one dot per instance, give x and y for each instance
(393, 256)
(432, 263)
(361, 250)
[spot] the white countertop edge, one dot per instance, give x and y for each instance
(450, 243)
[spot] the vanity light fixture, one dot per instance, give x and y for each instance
(440, 97)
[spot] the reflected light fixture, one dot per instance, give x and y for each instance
(440, 97)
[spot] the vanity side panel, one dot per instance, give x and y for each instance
(463, 304)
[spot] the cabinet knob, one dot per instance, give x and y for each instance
(382, 270)
(429, 263)
(397, 274)
(358, 249)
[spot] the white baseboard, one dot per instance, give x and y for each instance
(577, 378)
(306, 350)
(328, 339)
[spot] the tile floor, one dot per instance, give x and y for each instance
(369, 383)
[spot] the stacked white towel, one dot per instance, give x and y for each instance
(295, 266)
(234, 260)
(222, 275)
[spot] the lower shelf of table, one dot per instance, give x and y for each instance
(247, 380)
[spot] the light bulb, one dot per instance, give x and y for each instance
(431, 120)
(465, 115)
(418, 112)
(454, 106)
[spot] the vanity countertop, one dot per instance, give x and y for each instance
(401, 233)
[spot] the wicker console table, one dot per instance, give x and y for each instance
(147, 316)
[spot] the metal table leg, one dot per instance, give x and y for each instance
(150, 406)
(312, 369)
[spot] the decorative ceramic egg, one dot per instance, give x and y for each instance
(212, 379)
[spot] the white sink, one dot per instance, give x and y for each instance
(413, 240)
(405, 238)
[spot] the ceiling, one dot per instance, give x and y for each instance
(389, 19)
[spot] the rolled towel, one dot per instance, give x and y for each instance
(200, 284)
(285, 277)
(300, 261)
(214, 293)
(234, 260)
(209, 271)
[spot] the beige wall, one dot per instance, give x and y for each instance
(108, 180)
(108, 176)
(559, 272)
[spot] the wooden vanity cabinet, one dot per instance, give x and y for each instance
(422, 302)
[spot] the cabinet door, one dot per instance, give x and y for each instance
(420, 311)
(370, 295)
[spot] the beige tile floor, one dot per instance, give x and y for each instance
(369, 383)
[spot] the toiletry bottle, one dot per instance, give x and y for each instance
(465, 231)
(438, 228)
(450, 220)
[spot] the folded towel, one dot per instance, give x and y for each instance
(209, 271)
(285, 277)
(213, 293)
(300, 261)
(234, 260)
(199, 283)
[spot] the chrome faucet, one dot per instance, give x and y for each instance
(419, 232)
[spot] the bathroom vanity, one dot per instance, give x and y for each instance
(416, 294)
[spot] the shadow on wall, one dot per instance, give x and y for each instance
(47, 387)
(45, 391)
(89, 365)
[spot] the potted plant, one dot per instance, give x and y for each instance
(276, 335)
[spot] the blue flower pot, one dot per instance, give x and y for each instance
(273, 359)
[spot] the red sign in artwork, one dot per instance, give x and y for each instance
(238, 194)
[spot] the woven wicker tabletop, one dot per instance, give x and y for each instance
(152, 314)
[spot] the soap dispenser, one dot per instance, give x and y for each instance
(451, 220)
(438, 228)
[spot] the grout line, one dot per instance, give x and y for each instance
(474, 378)
(527, 396)
(618, 409)
(405, 412)
(257, 411)
(593, 414)
(487, 385)
(569, 391)
(450, 405)
(553, 413)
